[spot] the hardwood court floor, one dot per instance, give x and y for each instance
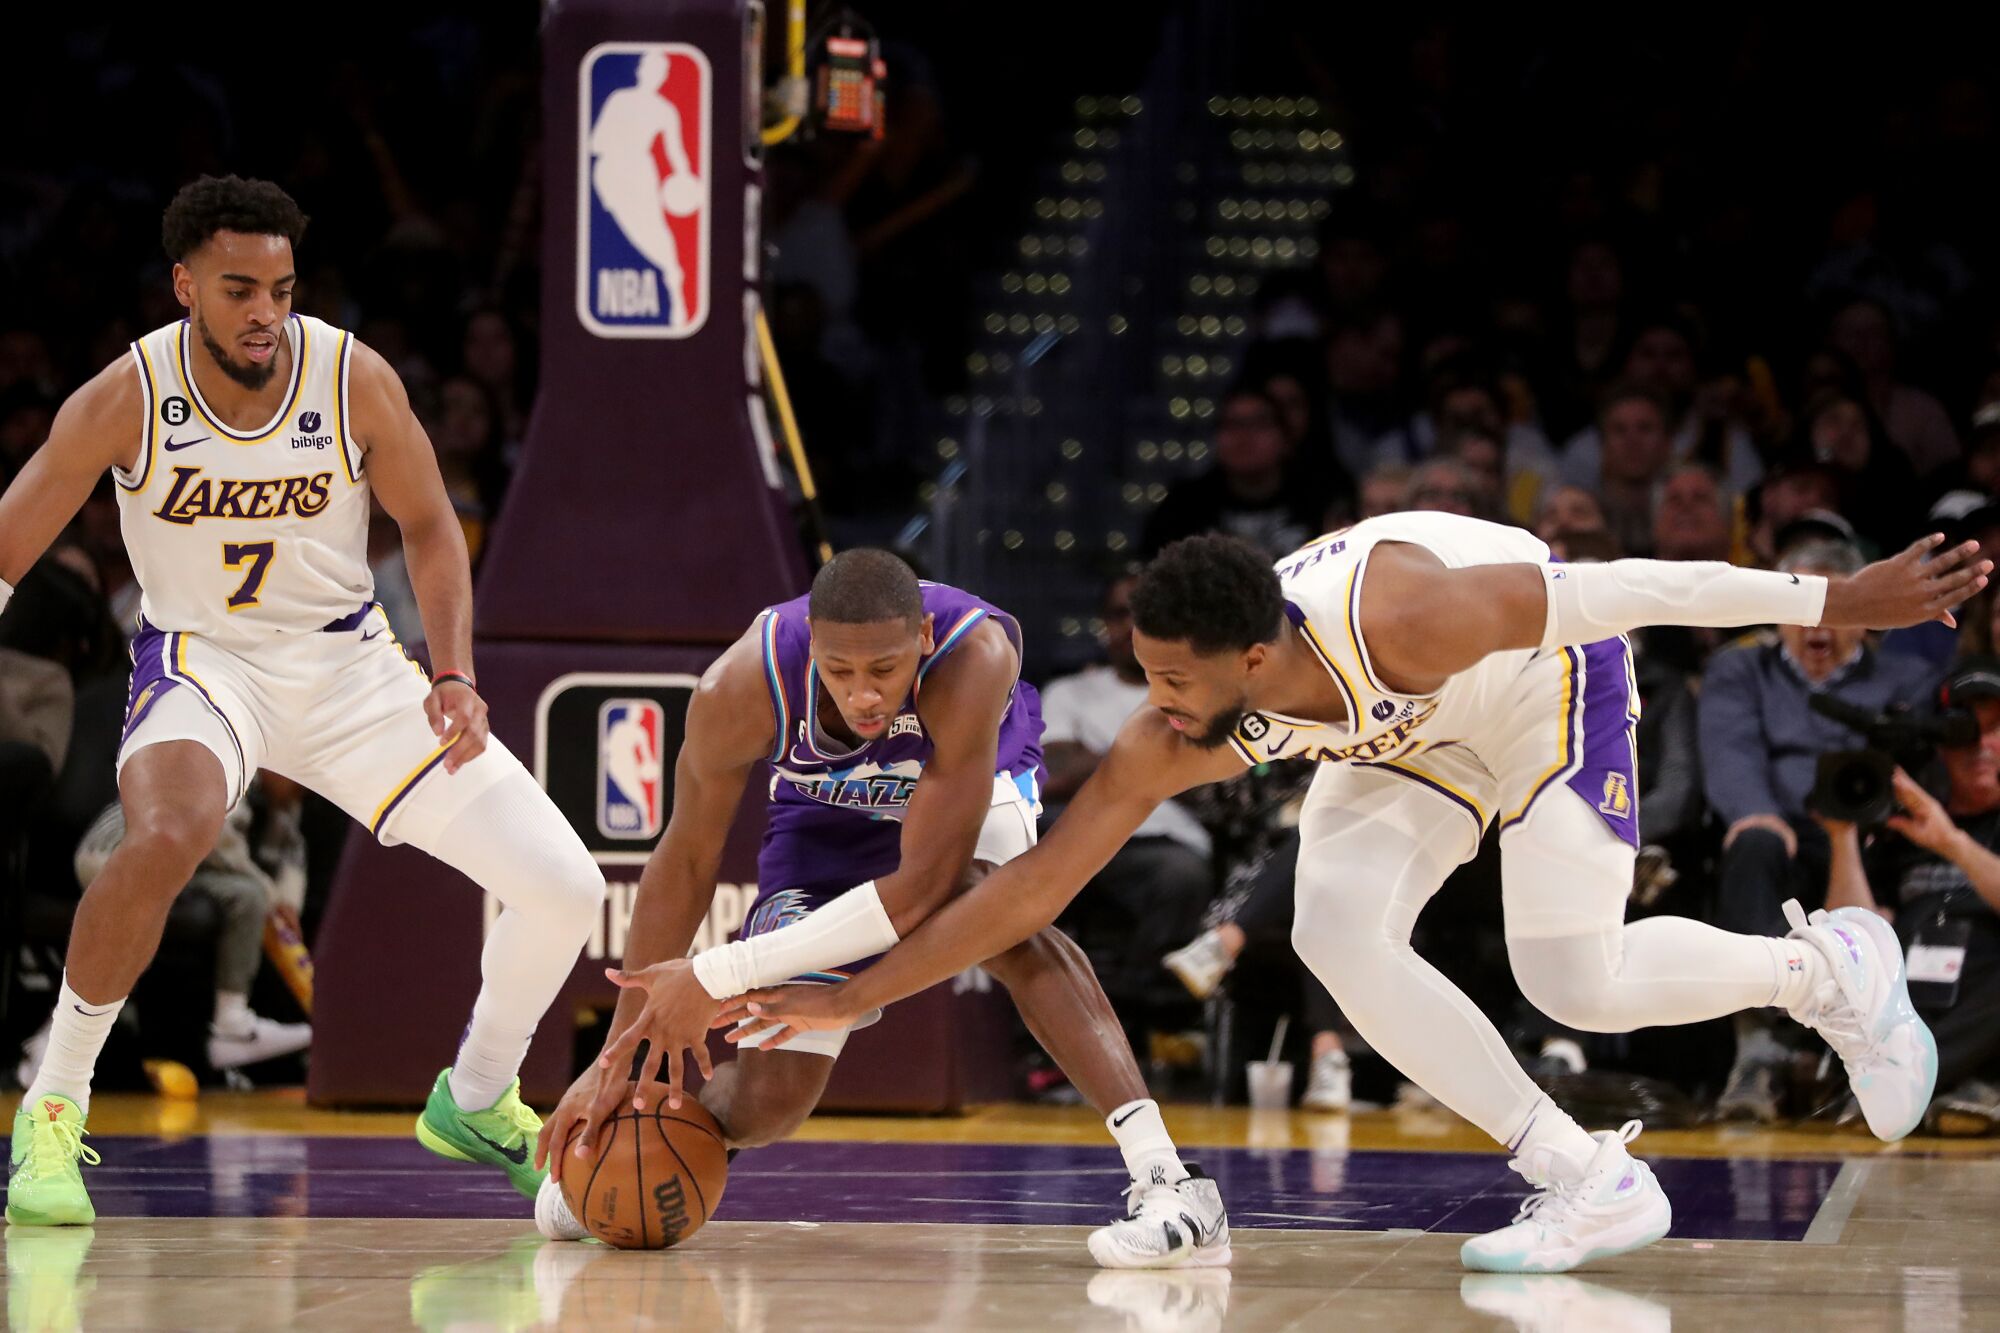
(256, 1212)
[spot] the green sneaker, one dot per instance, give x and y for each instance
(503, 1134)
(44, 1182)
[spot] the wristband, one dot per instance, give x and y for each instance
(459, 676)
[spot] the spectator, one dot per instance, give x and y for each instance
(1632, 424)
(1568, 509)
(1446, 486)
(1878, 489)
(1662, 363)
(1156, 885)
(1913, 420)
(1942, 874)
(243, 896)
(1760, 744)
(1593, 341)
(470, 456)
(1364, 369)
(1694, 519)
(1250, 492)
(1798, 484)
(1459, 399)
(1482, 454)
(1292, 373)
(490, 354)
(1385, 490)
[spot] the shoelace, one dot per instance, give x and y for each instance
(1837, 1021)
(67, 1139)
(1549, 1204)
(524, 1120)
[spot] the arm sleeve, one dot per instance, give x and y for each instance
(1592, 602)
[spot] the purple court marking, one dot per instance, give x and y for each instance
(1003, 1184)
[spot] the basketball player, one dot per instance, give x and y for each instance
(245, 442)
(1446, 674)
(905, 753)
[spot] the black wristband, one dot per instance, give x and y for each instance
(459, 676)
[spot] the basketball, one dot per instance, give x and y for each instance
(657, 1177)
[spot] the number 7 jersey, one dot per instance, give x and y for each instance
(237, 535)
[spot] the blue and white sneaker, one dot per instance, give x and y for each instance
(1581, 1210)
(1864, 1013)
(1182, 1225)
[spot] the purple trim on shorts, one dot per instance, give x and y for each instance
(1606, 778)
(389, 810)
(348, 622)
(149, 673)
(1478, 820)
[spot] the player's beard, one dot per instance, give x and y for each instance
(1219, 727)
(251, 376)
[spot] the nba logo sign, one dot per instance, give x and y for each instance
(629, 798)
(642, 196)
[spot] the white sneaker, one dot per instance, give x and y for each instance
(1183, 1225)
(552, 1215)
(260, 1039)
(1864, 1013)
(1186, 1301)
(1330, 1086)
(1201, 964)
(1545, 1303)
(1582, 1210)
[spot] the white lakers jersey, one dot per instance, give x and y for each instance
(1322, 586)
(239, 535)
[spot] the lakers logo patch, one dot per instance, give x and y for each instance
(1617, 795)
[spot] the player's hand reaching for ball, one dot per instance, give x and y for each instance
(1921, 582)
(676, 1018)
(591, 1101)
(788, 1011)
(458, 718)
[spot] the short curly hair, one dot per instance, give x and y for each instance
(211, 204)
(1216, 592)
(865, 586)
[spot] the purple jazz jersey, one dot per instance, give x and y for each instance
(1606, 776)
(835, 815)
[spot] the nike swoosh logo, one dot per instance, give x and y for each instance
(174, 446)
(518, 1156)
(90, 1013)
(376, 634)
(1275, 749)
(1119, 1120)
(1795, 578)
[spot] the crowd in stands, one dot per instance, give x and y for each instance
(1628, 344)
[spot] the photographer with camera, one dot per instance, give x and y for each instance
(1761, 742)
(1943, 875)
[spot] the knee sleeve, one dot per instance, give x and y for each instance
(514, 843)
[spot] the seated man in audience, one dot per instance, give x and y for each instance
(1941, 886)
(1254, 491)
(1155, 888)
(1760, 748)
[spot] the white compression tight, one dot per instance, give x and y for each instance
(1363, 879)
(514, 843)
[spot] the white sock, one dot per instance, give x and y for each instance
(1799, 969)
(1143, 1139)
(76, 1037)
(1549, 1126)
(488, 1060)
(232, 1014)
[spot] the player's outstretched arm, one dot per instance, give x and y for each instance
(1424, 622)
(403, 472)
(729, 729)
(99, 426)
(962, 704)
(1148, 763)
